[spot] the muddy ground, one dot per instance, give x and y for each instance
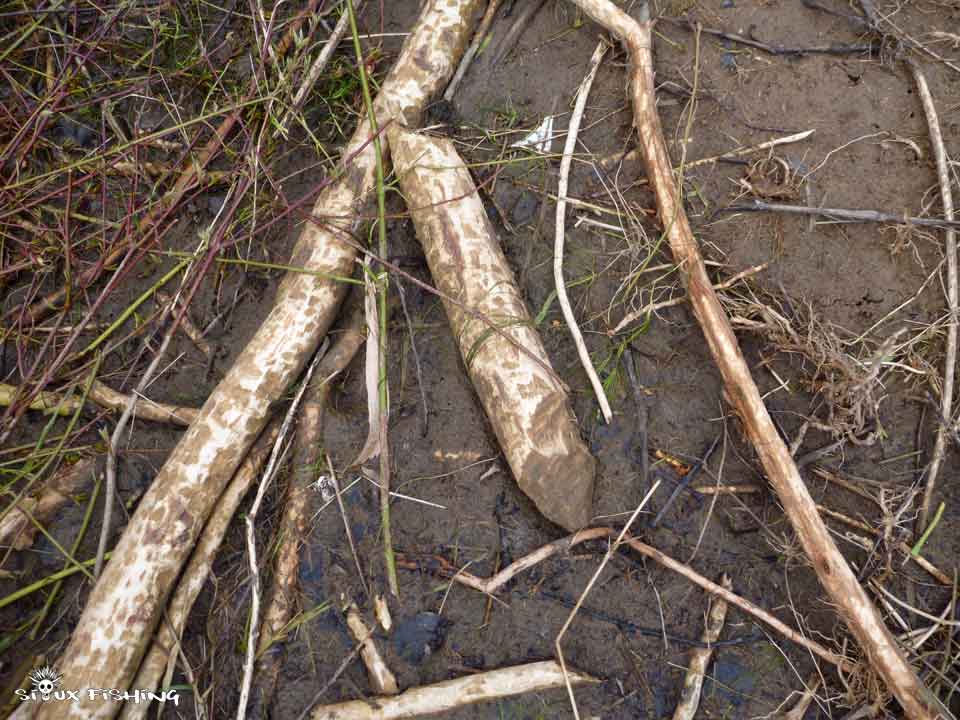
(632, 629)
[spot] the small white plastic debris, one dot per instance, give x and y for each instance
(325, 486)
(540, 139)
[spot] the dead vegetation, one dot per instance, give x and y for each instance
(158, 158)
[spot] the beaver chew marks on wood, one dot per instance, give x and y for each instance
(126, 605)
(524, 400)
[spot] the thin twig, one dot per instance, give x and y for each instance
(685, 481)
(341, 668)
(950, 362)
(425, 422)
(842, 215)
(251, 518)
(478, 39)
(774, 49)
(531, 8)
(346, 526)
(561, 285)
(318, 66)
(110, 487)
(729, 155)
(186, 324)
(643, 417)
(586, 591)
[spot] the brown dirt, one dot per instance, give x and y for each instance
(848, 273)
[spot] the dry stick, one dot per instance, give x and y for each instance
(772, 49)
(162, 531)
(163, 650)
(107, 398)
(731, 155)
(700, 658)
(346, 526)
(318, 66)
(799, 710)
(478, 37)
(742, 603)
(382, 680)
(186, 324)
(842, 215)
(559, 282)
(673, 302)
(493, 584)
(251, 519)
(452, 694)
(18, 530)
(520, 24)
(341, 668)
(305, 465)
(950, 362)
(835, 575)
(421, 388)
(558, 643)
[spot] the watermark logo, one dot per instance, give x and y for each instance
(45, 681)
(46, 688)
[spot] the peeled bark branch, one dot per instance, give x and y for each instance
(162, 655)
(297, 509)
(452, 694)
(526, 405)
(124, 607)
(835, 575)
(700, 658)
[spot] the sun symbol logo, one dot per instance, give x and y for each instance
(45, 680)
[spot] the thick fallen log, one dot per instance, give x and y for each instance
(124, 607)
(158, 664)
(526, 404)
(856, 608)
(452, 694)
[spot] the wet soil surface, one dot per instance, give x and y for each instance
(636, 626)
